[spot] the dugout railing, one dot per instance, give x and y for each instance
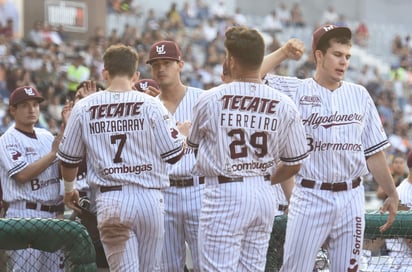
(377, 257)
(49, 235)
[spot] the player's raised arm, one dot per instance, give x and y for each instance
(292, 49)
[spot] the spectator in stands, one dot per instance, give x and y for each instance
(399, 48)
(76, 73)
(239, 18)
(296, 16)
(188, 16)
(330, 16)
(174, 18)
(342, 21)
(272, 24)
(283, 13)
(361, 35)
(8, 11)
(398, 170)
(218, 11)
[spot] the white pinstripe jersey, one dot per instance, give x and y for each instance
(244, 129)
(17, 151)
(128, 137)
(184, 167)
(342, 127)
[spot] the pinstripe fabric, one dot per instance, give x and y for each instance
(280, 198)
(342, 128)
(131, 227)
(182, 205)
(241, 129)
(16, 152)
(127, 137)
(214, 123)
(143, 124)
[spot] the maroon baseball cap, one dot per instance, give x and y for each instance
(164, 50)
(143, 84)
(409, 160)
(328, 31)
(24, 93)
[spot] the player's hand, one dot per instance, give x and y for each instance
(184, 127)
(89, 87)
(66, 111)
(390, 205)
(71, 199)
(152, 91)
(57, 140)
(294, 49)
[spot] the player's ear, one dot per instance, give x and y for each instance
(318, 55)
(136, 76)
(105, 74)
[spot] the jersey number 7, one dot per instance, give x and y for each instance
(121, 140)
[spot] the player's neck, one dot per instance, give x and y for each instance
(173, 94)
(330, 85)
(119, 85)
(247, 77)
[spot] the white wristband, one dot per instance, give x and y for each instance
(68, 186)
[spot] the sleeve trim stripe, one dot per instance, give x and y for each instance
(172, 153)
(69, 159)
(376, 147)
(295, 159)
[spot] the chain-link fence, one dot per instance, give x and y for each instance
(45, 245)
(387, 251)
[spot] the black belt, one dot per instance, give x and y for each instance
(282, 208)
(223, 179)
(104, 189)
(185, 182)
(334, 187)
(45, 208)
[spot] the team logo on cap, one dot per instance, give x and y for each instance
(144, 85)
(160, 49)
(29, 91)
(327, 28)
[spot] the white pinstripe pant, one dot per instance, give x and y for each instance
(236, 221)
(131, 226)
(317, 215)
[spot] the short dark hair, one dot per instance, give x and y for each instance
(120, 60)
(246, 45)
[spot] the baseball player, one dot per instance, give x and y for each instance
(127, 137)
(29, 175)
(183, 198)
(346, 139)
(243, 132)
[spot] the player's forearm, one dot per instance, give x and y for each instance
(271, 60)
(284, 172)
(377, 165)
(35, 169)
(68, 173)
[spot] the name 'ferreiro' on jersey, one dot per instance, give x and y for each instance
(252, 112)
(115, 111)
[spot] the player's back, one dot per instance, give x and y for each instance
(250, 121)
(124, 139)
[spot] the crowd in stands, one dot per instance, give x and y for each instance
(48, 60)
